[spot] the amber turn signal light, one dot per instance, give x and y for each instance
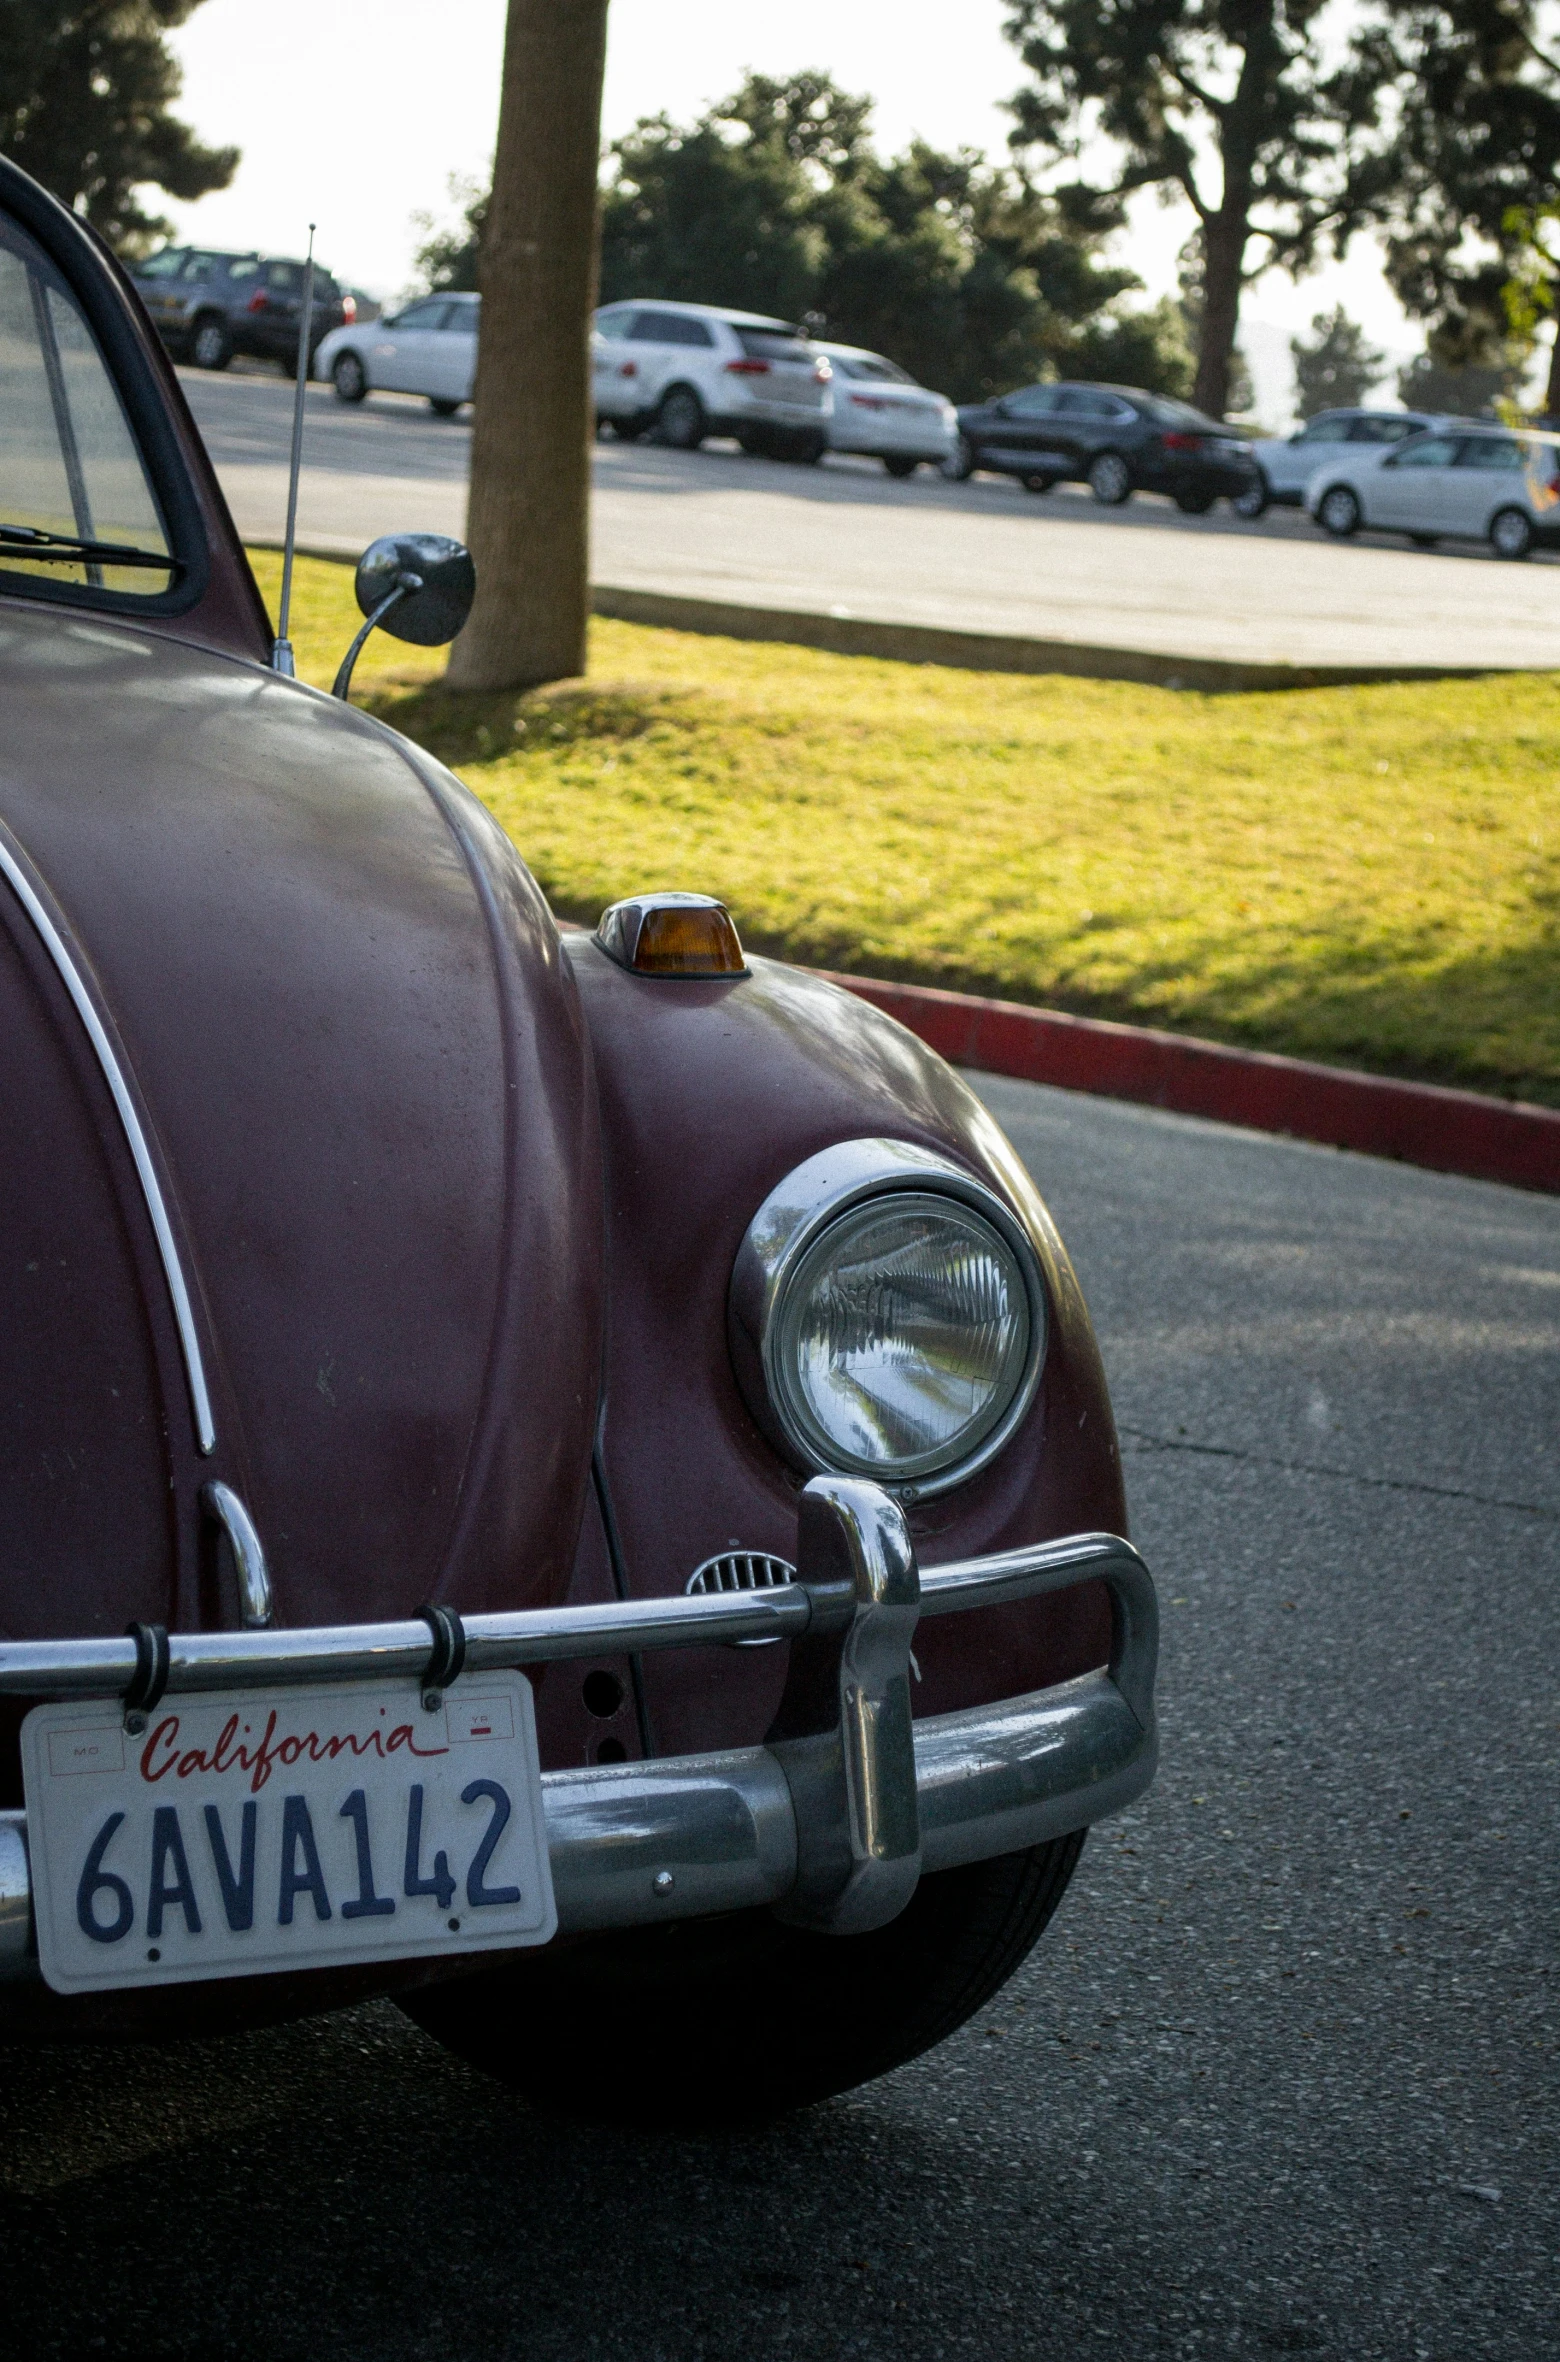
(672, 935)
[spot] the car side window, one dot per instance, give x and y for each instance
(1379, 430)
(1324, 430)
(418, 315)
(1035, 401)
(1493, 451)
(70, 469)
(1432, 451)
(1072, 402)
(614, 326)
(669, 328)
(165, 265)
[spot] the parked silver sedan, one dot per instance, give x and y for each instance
(1456, 483)
(1287, 463)
(878, 410)
(428, 348)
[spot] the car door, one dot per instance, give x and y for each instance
(1408, 493)
(1290, 466)
(1492, 473)
(657, 349)
(452, 354)
(399, 358)
(1086, 423)
(1019, 432)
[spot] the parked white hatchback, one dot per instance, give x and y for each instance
(427, 348)
(878, 410)
(1287, 464)
(690, 370)
(1456, 483)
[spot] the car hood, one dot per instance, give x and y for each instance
(336, 1004)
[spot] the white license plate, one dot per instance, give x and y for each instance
(245, 1833)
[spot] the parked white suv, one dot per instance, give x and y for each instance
(695, 369)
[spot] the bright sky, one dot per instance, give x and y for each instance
(357, 113)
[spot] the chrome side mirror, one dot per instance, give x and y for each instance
(419, 586)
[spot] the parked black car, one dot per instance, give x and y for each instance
(207, 306)
(1114, 438)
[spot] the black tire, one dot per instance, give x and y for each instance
(349, 377)
(680, 421)
(1255, 501)
(441, 407)
(1425, 540)
(1038, 483)
(211, 342)
(627, 430)
(1110, 480)
(717, 2020)
(1193, 504)
(1338, 512)
(804, 450)
(959, 465)
(1511, 533)
(897, 464)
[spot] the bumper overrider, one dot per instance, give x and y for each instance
(832, 1821)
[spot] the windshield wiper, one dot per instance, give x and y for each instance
(30, 541)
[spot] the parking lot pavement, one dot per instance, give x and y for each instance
(1281, 2077)
(845, 539)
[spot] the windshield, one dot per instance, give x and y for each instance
(70, 471)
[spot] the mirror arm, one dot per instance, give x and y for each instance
(405, 584)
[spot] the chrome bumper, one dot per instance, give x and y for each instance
(833, 1820)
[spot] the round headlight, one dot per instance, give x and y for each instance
(899, 1316)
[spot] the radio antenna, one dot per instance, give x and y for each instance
(282, 649)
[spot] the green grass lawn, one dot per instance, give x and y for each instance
(1370, 876)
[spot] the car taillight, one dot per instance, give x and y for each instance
(348, 309)
(869, 402)
(747, 368)
(1180, 442)
(629, 369)
(258, 301)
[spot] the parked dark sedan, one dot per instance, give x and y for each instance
(1113, 438)
(208, 306)
(430, 1347)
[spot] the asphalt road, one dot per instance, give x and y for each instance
(844, 538)
(1280, 2079)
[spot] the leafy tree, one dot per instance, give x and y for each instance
(1467, 389)
(85, 89)
(1473, 152)
(1335, 367)
(1532, 293)
(1230, 104)
(776, 201)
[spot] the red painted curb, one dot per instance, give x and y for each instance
(1418, 1123)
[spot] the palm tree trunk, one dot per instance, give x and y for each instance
(530, 447)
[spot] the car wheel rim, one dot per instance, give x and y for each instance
(1338, 512)
(1109, 479)
(1509, 536)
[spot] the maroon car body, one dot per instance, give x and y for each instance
(339, 1186)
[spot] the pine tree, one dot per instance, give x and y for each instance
(85, 89)
(1335, 367)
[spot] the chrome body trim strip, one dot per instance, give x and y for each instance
(135, 1138)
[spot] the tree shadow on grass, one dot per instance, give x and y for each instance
(461, 727)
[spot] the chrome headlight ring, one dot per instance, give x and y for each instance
(828, 1200)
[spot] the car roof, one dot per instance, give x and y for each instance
(705, 311)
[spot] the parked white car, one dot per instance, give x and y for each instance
(428, 348)
(694, 369)
(1288, 463)
(1455, 483)
(877, 409)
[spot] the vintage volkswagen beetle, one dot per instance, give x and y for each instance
(566, 1481)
